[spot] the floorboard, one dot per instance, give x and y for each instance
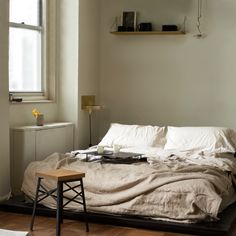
(46, 226)
(222, 227)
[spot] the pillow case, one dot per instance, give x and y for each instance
(134, 135)
(206, 139)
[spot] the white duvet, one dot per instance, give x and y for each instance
(185, 187)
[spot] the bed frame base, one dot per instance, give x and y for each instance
(219, 228)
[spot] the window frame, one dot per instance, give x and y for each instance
(47, 27)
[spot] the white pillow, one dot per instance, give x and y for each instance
(207, 139)
(134, 135)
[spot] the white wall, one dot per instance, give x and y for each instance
(68, 63)
(4, 106)
(89, 22)
(169, 80)
(78, 64)
(21, 114)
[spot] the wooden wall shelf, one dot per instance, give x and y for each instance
(149, 33)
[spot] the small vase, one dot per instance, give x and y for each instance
(40, 120)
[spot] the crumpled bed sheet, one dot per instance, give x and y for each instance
(185, 187)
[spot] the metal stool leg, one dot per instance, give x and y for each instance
(59, 207)
(61, 202)
(35, 204)
(84, 205)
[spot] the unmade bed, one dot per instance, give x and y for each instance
(188, 175)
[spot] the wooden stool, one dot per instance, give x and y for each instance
(62, 176)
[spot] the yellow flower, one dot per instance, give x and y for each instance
(35, 112)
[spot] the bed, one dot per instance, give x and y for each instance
(187, 175)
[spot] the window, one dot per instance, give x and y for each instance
(29, 61)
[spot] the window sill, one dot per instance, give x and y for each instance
(32, 101)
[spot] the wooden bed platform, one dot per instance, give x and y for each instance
(222, 227)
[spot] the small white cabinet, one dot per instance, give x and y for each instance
(35, 143)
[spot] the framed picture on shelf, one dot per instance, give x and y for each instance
(128, 20)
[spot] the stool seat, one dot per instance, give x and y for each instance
(61, 176)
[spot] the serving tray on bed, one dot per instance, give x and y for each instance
(116, 158)
(123, 158)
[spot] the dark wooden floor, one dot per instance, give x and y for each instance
(46, 226)
(105, 225)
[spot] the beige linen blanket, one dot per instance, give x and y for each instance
(179, 192)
